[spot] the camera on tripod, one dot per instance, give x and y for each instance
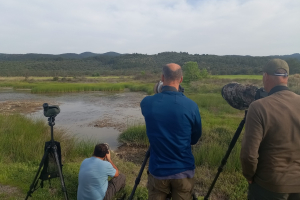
(51, 111)
(50, 165)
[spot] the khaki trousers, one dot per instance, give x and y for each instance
(181, 189)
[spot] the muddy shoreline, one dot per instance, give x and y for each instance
(131, 153)
(22, 106)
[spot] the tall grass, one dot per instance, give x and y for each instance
(23, 140)
(135, 135)
(219, 124)
(257, 77)
(18, 85)
(219, 121)
(54, 87)
(22, 147)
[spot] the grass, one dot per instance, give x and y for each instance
(47, 78)
(257, 77)
(19, 133)
(219, 121)
(22, 140)
(22, 148)
(54, 87)
(135, 135)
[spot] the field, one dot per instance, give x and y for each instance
(73, 84)
(21, 146)
(21, 140)
(256, 77)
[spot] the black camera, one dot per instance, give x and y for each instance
(260, 93)
(51, 111)
(158, 87)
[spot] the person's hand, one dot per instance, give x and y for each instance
(108, 156)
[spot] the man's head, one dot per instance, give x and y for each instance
(100, 150)
(275, 72)
(172, 75)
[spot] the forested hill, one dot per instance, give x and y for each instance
(34, 56)
(112, 63)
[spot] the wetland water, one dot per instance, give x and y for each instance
(97, 116)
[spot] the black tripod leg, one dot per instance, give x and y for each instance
(224, 160)
(138, 178)
(35, 180)
(60, 172)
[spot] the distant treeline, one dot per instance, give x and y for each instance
(111, 63)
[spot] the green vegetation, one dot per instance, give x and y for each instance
(191, 72)
(257, 77)
(22, 140)
(131, 64)
(135, 135)
(220, 122)
(44, 85)
(22, 147)
(61, 87)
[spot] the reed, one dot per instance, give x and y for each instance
(135, 135)
(22, 147)
(53, 87)
(243, 77)
(219, 122)
(22, 140)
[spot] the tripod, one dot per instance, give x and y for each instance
(138, 178)
(51, 151)
(224, 160)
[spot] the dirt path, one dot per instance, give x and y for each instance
(132, 153)
(9, 192)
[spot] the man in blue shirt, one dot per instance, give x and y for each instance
(93, 174)
(173, 124)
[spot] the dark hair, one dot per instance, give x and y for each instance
(100, 150)
(171, 75)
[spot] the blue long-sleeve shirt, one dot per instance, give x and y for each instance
(173, 124)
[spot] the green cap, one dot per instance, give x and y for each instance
(273, 65)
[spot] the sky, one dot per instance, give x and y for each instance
(219, 27)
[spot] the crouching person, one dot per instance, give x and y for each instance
(93, 176)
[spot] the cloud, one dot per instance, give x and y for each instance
(244, 27)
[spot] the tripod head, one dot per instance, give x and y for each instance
(51, 112)
(51, 121)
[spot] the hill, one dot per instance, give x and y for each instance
(112, 63)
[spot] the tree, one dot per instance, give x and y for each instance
(191, 71)
(294, 65)
(204, 73)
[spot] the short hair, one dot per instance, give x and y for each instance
(100, 150)
(171, 75)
